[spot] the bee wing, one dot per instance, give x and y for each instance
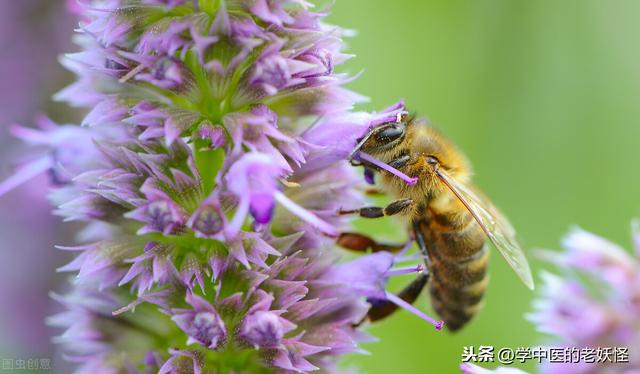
(493, 223)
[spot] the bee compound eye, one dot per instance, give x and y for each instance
(433, 161)
(390, 134)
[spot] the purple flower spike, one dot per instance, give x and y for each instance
(208, 172)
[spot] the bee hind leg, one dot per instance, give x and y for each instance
(395, 207)
(357, 242)
(363, 243)
(382, 308)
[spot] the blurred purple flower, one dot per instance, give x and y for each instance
(31, 33)
(469, 368)
(595, 303)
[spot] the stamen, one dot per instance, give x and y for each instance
(286, 183)
(132, 73)
(305, 215)
(238, 219)
(413, 257)
(405, 305)
(409, 180)
(404, 249)
(407, 270)
(130, 307)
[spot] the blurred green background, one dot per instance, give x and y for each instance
(543, 98)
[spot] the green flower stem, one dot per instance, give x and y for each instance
(209, 162)
(209, 6)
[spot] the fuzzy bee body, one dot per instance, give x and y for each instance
(449, 218)
(458, 258)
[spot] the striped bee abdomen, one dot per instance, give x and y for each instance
(458, 257)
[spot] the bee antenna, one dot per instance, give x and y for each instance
(359, 146)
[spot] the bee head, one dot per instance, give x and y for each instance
(381, 138)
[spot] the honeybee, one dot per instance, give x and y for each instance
(449, 218)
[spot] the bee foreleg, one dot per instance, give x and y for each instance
(398, 206)
(422, 244)
(362, 243)
(382, 308)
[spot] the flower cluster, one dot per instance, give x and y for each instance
(206, 171)
(594, 304)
